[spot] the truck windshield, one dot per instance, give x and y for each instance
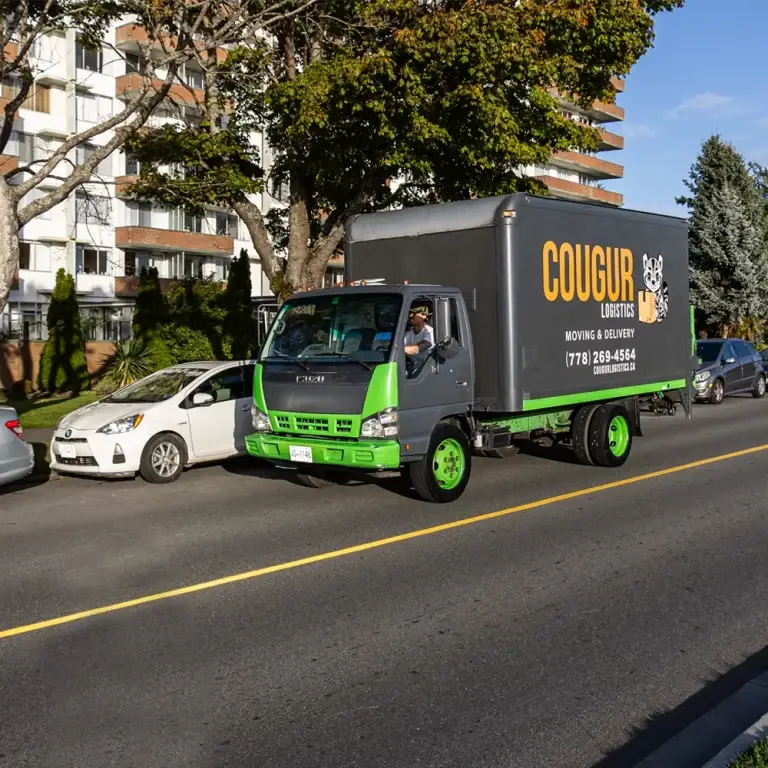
(345, 328)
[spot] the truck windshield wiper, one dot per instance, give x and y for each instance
(344, 356)
(282, 356)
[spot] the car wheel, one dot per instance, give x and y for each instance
(610, 435)
(163, 459)
(717, 393)
(441, 476)
(759, 391)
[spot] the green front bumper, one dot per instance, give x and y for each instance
(360, 454)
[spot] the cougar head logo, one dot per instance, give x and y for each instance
(653, 272)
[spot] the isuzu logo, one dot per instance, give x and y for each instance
(310, 379)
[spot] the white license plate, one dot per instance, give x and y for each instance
(67, 451)
(300, 453)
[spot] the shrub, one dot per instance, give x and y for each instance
(63, 367)
(132, 360)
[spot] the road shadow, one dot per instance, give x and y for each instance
(658, 729)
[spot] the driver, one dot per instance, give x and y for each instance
(421, 336)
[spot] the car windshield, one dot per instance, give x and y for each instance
(344, 328)
(156, 387)
(708, 351)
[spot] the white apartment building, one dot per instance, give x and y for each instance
(98, 236)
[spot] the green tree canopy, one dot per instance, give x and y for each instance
(451, 99)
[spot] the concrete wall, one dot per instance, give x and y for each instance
(15, 365)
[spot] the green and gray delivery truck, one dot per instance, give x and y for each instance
(551, 320)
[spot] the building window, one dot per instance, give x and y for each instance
(39, 50)
(280, 189)
(221, 267)
(93, 109)
(92, 261)
(85, 151)
(91, 59)
(193, 223)
(30, 197)
(134, 62)
(193, 266)
(93, 209)
(193, 78)
(132, 166)
(226, 224)
(35, 257)
(139, 214)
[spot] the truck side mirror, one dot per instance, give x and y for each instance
(443, 321)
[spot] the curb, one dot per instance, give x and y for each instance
(719, 732)
(756, 732)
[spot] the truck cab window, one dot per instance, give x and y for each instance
(419, 337)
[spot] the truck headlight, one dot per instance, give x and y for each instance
(260, 420)
(120, 426)
(383, 424)
(702, 376)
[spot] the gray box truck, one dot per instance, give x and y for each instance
(466, 327)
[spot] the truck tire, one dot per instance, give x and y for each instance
(610, 435)
(580, 433)
(317, 480)
(717, 393)
(443, 473)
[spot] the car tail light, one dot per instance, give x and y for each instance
(15, 426)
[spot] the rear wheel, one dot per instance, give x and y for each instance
(580, 433)
(443, 473)
(610, 435)
(717, 393)
(759, 391)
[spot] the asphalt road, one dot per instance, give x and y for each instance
(568, 634)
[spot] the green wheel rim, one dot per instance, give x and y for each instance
(618, 436)
(448, 464)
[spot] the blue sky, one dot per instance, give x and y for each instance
(707, 73)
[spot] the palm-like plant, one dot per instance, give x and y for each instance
(132, 360)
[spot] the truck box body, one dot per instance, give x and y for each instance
(568, 302)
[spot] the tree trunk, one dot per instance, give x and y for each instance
(9, 241)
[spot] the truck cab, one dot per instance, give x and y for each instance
(334, 386)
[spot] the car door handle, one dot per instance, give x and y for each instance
(461, 383)
(245, 407)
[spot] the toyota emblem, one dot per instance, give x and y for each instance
(68, 433)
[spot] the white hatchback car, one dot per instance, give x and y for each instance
(176, 417)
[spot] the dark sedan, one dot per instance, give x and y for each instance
(728, 367)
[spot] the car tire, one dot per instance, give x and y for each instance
(580, 434)
(610, 435)
(759, 391)
(717, 392)
(442, 474)
(163, 459)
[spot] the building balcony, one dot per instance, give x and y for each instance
(11, 51)
(599, 111)
(610, 141)
(130, 84)
(152, 239)
(123, 185)
(618, 84)
(8, 163)
(597, 167)
(128, 287)
(571, 190)
(133, 37)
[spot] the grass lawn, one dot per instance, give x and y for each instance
(45, 413)
(755, 757)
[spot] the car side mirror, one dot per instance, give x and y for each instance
(729, 360)
(202, 398)
(443, 321)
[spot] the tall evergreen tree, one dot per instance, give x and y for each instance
(149, 315)
(63, 367)
(729, 278)
(240, 321)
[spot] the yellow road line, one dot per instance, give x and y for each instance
(337, 553)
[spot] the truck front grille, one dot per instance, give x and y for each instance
(316, 424)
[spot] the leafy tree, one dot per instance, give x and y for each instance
(729, 277)
(177, 32)
(63, 367)
(452, 98)
(149, 316)
(240, 322)
(196, 320)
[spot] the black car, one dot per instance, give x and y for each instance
(728, 367)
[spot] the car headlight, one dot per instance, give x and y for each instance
(260, 420)
(120, 426)
(383, 424)
(702, 376)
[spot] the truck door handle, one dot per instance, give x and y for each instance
(245, 407)
(461, 383)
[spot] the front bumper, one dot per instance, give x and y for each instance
(95, 453)
(358, 454)
(702, 388)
